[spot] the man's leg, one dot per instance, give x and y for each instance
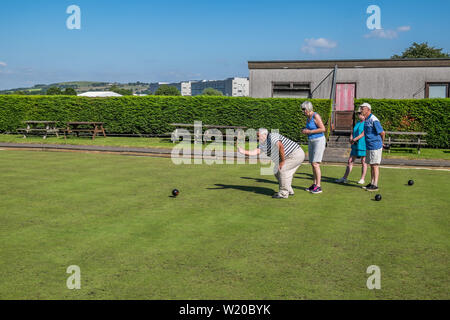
(297, 159)
(376, 173)
(376, 167)
(372, 174)
(286, 174)
(277, 175)
(285, 186)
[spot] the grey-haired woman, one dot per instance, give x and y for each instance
(316, 144)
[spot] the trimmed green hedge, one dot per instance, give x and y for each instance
(152, 114)
(427, 115)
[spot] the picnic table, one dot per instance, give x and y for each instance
(208, 133)
(88, 127)
(45, 127)
(409, 138)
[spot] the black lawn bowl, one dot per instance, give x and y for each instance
(410, 182)
(378, 197)
(175, 192)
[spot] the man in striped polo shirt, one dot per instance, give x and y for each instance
(286, 154)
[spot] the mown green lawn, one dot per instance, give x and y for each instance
(224, 237)
(133, 142)
(411, 153)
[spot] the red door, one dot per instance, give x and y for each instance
(345, 96)
(345, 105)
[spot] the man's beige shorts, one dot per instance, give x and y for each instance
(374, 156)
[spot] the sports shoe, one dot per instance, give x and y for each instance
(368, 186)
(372, 188)
(311, 188)
(316, 190)
(341, 180)
(277, 196)
(361, 181)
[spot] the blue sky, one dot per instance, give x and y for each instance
(148, 41)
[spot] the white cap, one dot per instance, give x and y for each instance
(365, 104)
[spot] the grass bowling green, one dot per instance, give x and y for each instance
(223, 237)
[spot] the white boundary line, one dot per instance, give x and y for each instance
(399, 167)
(416, 168)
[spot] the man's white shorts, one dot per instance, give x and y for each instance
(374, 156)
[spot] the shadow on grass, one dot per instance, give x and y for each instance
(259, 180)
(309, 176)
(258, 190)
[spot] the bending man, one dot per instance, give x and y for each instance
(285, 153)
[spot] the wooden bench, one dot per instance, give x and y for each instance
(407, 139)
(88, 127)
(39, 127)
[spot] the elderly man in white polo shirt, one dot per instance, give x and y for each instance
(374, 135)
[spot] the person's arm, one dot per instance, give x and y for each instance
(359, 137)
(282, 154)
(255, 152)
(380, 130)
(319, 124)
(383, 135)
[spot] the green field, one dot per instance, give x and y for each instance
(133, 142)
(79, 86)
(224, 237)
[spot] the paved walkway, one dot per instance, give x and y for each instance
(167, 152)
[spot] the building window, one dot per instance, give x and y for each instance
(437, 90)
(291, 90)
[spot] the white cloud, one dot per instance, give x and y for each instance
(312, 45)
(387, 34)
(3, 64)
(382, 34)
(403, 29)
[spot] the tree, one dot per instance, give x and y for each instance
(212, 92)
(54, 91)
(124, 92)
(166, 90)
(421, 50)
(70, 92)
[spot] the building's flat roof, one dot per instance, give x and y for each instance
(99, 94)
(363, 63)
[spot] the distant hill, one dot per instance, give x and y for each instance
(80, 87)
